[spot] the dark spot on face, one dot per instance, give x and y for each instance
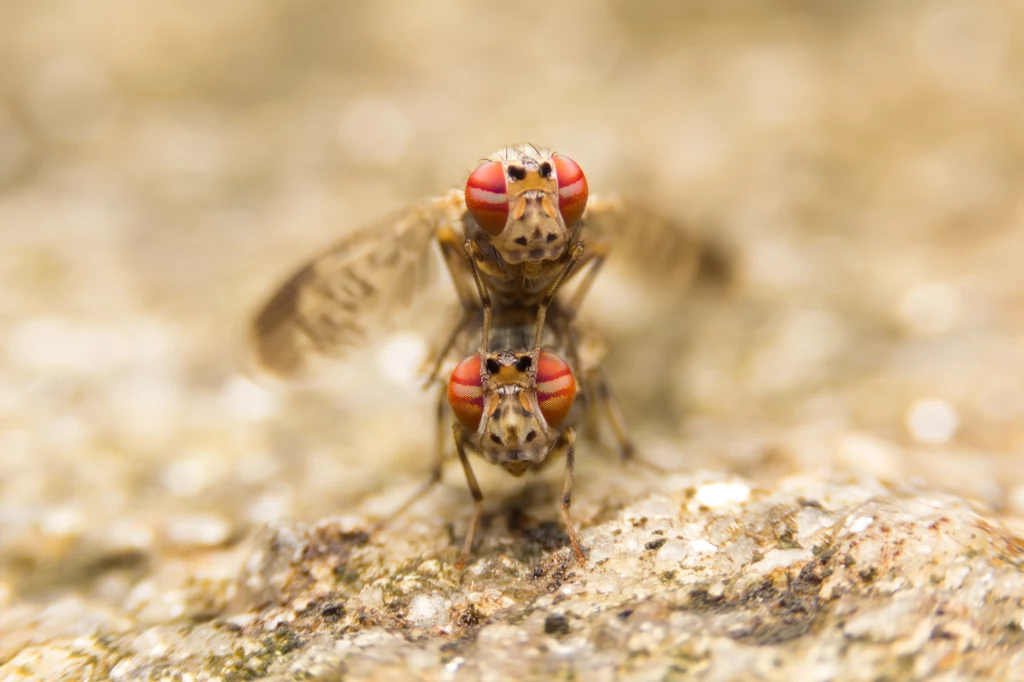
(523, 363)
(551, 237)
(514, 455)
(492, 366)
(495, 439)
(496, 414)
(522, 241)
(545, 170)
(516, 172)
(531, 436)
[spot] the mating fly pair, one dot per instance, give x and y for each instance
(510, 239)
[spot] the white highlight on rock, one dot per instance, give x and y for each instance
(869, 454)
(860, 524)
(400, 358)
(203, 530)
(187, 477)
(247, 400)
(929, 309)
(63, 522)
(722, 494)
(932, 420)
(126, 534)
(269, 507)
(703, 547)
(426, 610)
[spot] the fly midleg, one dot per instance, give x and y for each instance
(568, 441)
(596, 255)
(474, 489)
(604, 399)
(436, 469)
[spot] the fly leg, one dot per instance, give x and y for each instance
(604, 399)
(454, 255)
(435, 364)
(549, 297)
(472, 250)
(474, 489)
(435, 471)
(568, 441)
(597, 255)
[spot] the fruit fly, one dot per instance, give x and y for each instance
(519, 413)
(509, 410)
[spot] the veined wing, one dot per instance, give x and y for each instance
(339, 299)
(652, 246)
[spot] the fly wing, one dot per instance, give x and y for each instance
(340, 299)
(652, 247)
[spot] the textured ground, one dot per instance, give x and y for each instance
(844, 422)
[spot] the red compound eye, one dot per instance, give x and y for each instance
(486, 197)
(466, 394)
(572, 189)
(556, 388)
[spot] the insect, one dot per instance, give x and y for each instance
(510, 238)
(508, 410)
(517, 412)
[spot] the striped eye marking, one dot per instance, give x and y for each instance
(466, 394)
(572, 189)
(556, 388)
(487, 197)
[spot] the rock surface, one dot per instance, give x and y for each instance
(705, 578)
(843, 421)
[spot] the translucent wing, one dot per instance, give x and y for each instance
(339, 299)
(653, 247)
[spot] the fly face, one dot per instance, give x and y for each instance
(527, 201)
(512, 410)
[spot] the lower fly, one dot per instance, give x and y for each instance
(518, 413)
(511, 412)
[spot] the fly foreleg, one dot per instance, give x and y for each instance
(549, 297)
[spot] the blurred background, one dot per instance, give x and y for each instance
(164, 165)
